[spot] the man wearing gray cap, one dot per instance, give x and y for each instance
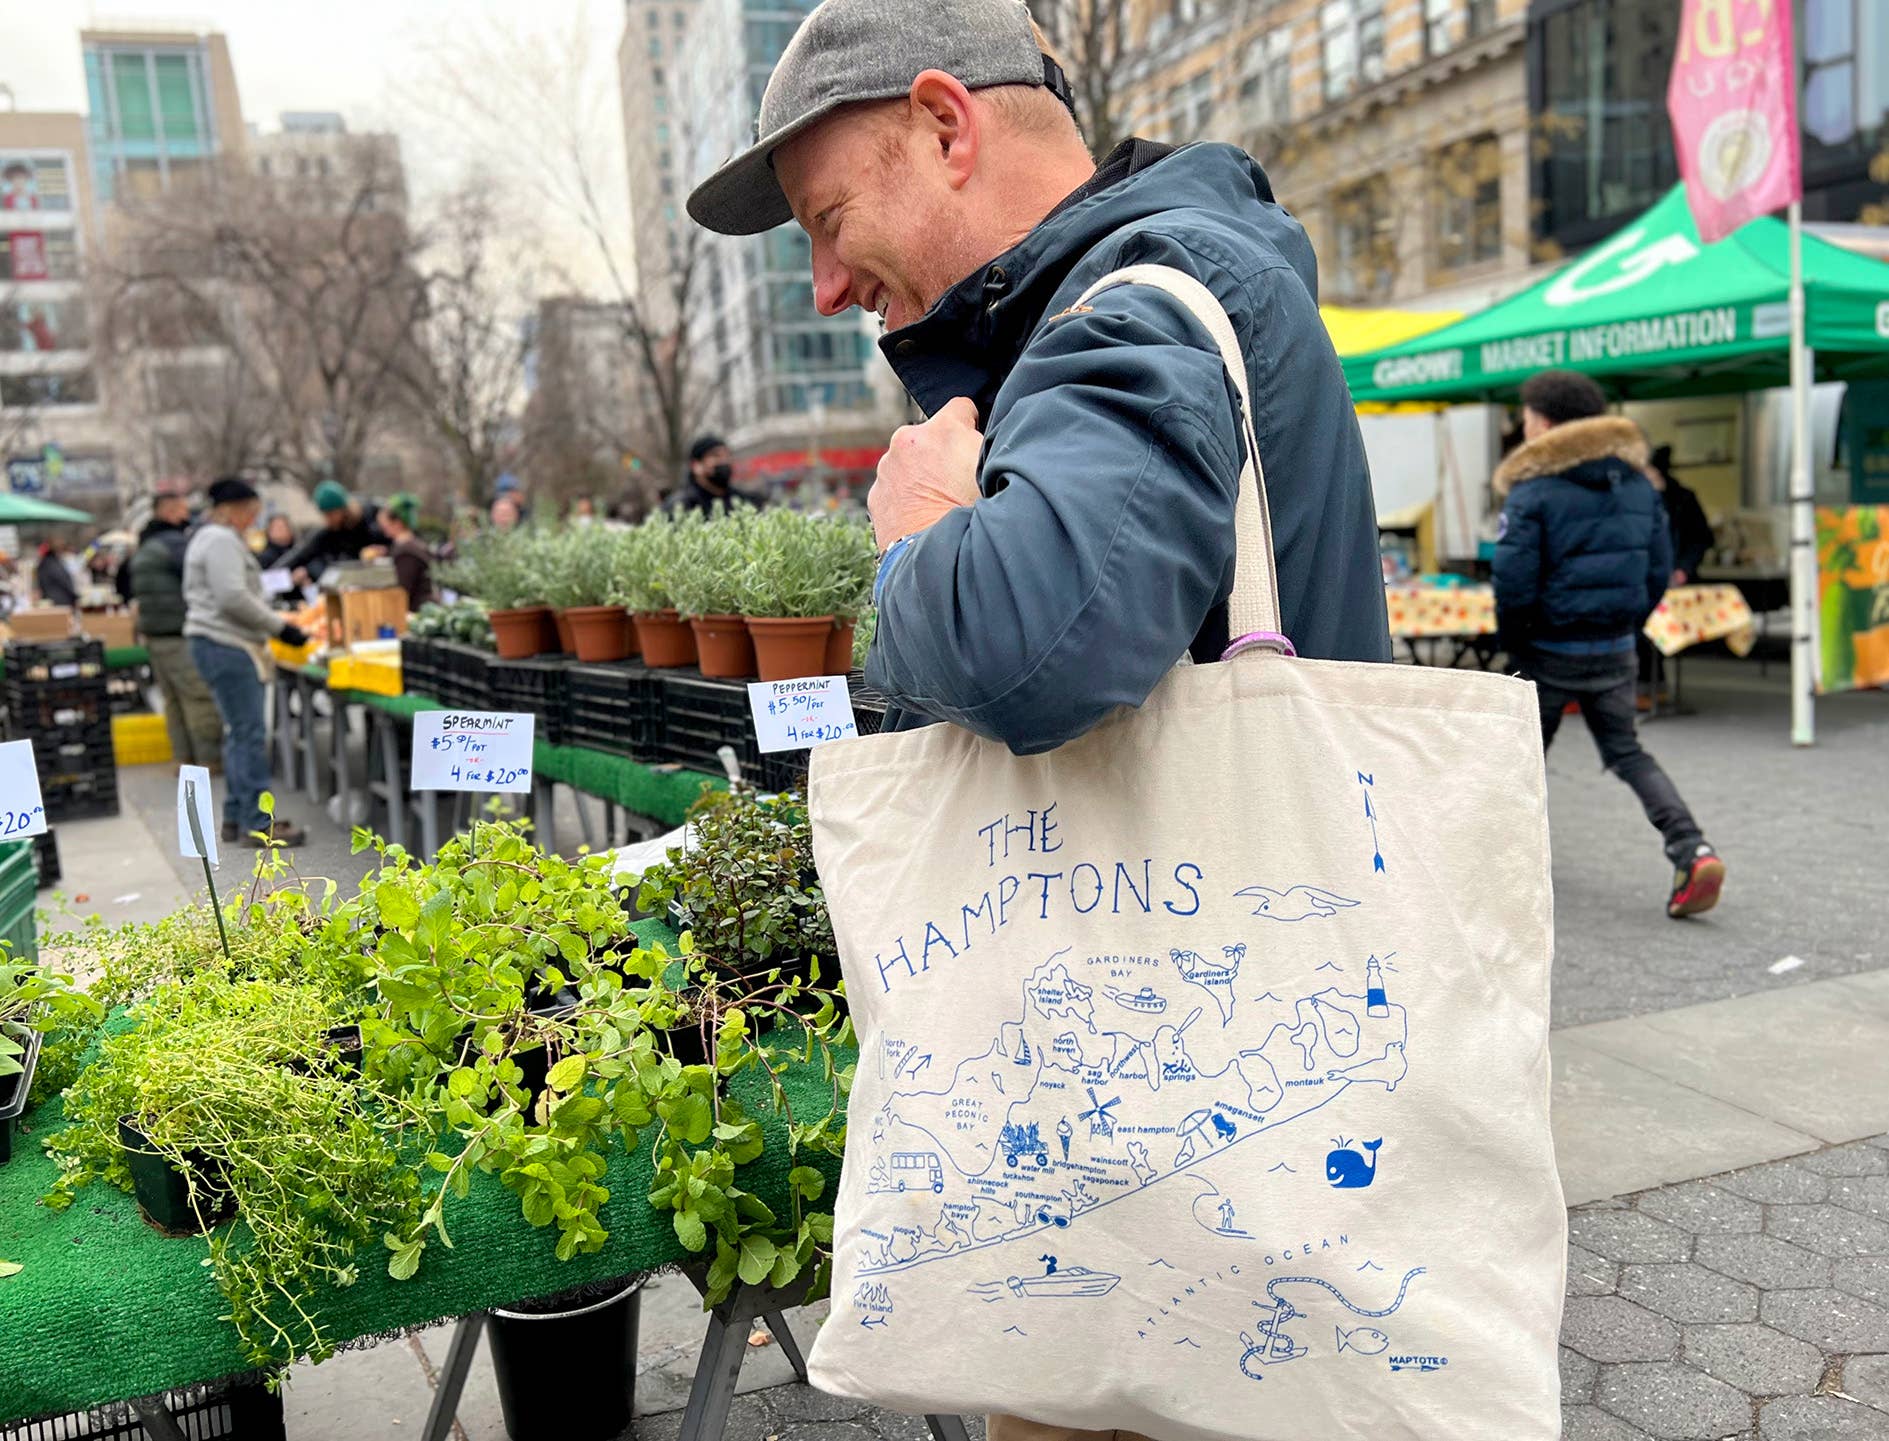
(1061, 529)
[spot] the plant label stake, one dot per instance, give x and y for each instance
(198, 838)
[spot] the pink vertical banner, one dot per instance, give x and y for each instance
(1733, 102)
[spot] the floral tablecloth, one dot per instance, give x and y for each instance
(1690, 614)
(1420, 611)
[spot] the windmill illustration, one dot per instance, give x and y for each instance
(1101, 1121)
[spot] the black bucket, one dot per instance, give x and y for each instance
(163, 1191)
(567, 1374)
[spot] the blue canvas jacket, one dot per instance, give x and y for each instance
(1584, 553)
(1102, 548)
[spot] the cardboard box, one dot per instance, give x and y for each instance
(112, 627)
(46, 622)
(358, 615)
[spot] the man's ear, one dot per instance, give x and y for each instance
(942, 108)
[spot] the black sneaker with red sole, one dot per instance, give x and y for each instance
(1697, 885)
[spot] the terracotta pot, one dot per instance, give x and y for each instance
(839, 648)
(519, 634)
(562, 620)
(665, 638)
(599, 632)
(792, 647)
(722, 647)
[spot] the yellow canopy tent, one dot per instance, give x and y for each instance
(1355, 332)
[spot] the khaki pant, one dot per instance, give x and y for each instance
(1010, 1428)
(190, 715)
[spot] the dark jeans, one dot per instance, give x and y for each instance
(240, 700)
(1602, 685)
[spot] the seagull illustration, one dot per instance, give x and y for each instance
(1296, 903)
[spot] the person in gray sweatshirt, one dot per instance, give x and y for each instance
(228, 624)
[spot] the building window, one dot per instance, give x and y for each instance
(1599, 70)
(131, 88)
(1200, 105)
(1482, 17)
(39, 255)
(1351, 33)
(680, 18)
(1364, 228)
(664, 158)
(662, 133)
(668, 186)
(1829, 31)
(656, 76)
(38, 326)
(1467, 190)
(655, 18)
(75, 387)
(1266, 80)
(176, 101)
(655, 47)
(662, 104)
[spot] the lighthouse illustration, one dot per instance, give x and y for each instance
(1374, 1001)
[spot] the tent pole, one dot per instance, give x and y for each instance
(1803, 507)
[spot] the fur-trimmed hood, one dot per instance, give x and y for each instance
(1577, 442)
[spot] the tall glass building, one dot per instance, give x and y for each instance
(161, 106)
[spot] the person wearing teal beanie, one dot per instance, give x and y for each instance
(351, 530)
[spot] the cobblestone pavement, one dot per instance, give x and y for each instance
(1752, 1306)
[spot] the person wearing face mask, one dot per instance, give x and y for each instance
(710, 486)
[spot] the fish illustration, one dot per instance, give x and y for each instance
(1347, 1170)
(1297, 903)
(1365, 1340)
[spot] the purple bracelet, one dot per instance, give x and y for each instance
(1254, 639)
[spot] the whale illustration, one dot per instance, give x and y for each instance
(1296, 903)
(1365, 1340)
(1349, 1171)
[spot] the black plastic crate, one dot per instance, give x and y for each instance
(869, 705)
(459, 674)
(44, 710)
(130, 689)
(73, 798)
(419, 665)
(37, 662)
(73, 751)
(699, 716)
(46, 857)
(534, 686)
(229, 1411)
(615, 707)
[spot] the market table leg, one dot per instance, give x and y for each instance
(711, 1394)
(311, 747)
(340, 768)
(288, 755)
(156, 1419)
(384, 748)
(790, 1348)
(947, 1428)
(544, 798)
(452, 1377)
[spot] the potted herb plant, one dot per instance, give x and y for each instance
(507, 571)
(33, 1002)
(785, 590)
(853, 564)
(599, 625)
(705, 583)
(647, 561)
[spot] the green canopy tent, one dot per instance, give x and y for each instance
(25, 510)
(1653, 314)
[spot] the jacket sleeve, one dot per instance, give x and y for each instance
(1103, 538)
(1518, 569)
(1659, 559)
(226, 575)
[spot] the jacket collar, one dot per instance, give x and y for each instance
(1578, 442)
(967, 342)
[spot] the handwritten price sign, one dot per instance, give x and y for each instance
(22, 813)
(472, 751)
(793, 715)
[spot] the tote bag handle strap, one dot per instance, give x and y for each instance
(1253, 614)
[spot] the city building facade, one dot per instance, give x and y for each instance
(804, 399)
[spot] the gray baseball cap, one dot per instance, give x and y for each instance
(851, 50)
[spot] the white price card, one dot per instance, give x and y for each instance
(193, 784)
(455, 750)
(22, 812)
(277, 581)
(792, 715)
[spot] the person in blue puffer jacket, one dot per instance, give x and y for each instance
(1584, 557)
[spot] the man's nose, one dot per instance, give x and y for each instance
(832, 284)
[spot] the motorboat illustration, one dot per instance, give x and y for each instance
(1075, 1282)
(1144, 1000)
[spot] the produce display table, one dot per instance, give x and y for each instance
(114, 1310)
(662, 795)
(1689, 615)
(1459, 615)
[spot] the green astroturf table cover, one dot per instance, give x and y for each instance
(106, 1308)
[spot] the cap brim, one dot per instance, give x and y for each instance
(744, 197)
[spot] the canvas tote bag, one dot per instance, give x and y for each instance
(1203, 1062)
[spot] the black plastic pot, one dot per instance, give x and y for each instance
(164, 1192)
(535, 1064)
(345, 1042)
(566, 1368)
(13, 1093)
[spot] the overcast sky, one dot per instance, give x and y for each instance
(375, 61)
